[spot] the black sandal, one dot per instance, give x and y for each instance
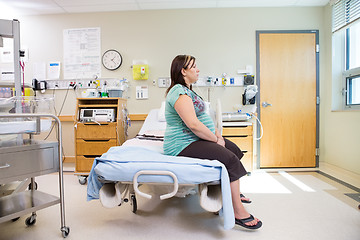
(242, 222)
(244, 201)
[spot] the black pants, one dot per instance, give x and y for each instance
(230, 155)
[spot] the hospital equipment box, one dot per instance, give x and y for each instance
(97, 115)
(93, 138)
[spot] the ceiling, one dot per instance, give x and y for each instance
(39, 7)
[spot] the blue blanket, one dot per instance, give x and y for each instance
(122, 162)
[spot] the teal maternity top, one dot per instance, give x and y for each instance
(177, 135)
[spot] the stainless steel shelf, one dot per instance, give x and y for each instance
(19, 204)
(27, 159)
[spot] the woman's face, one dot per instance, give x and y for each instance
(191, 73)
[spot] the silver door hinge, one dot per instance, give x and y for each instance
(317, 48)
(317, 152)
(317, 100)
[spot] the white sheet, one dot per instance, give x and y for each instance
(14, 127)
(151, 134)
(156, 146)
(152, 126)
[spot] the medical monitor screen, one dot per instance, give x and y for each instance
(88, 113)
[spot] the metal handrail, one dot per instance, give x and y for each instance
(153, 172)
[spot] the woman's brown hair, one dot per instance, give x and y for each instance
(180, 62)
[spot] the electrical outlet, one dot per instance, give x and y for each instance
(164, 82)
(79, 83)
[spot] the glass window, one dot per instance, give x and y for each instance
(345, 55)
(353, 46)
(352, 68)
(353, 92)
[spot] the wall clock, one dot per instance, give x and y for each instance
(111, 59)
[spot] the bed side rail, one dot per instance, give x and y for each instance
(153, 172)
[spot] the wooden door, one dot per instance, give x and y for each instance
(287, 63)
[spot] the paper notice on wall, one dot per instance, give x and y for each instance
(7, 52)
(82, 53)
(7, 55)
(53, 70)
(7, 73)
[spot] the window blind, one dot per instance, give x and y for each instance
(345, 12)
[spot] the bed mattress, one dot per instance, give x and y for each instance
(123, 162)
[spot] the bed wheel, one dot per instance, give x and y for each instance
(30, 220)
(35, 186)
(82, 180)
(133, 202)
(65, 231)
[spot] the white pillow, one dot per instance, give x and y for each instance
(161, 113)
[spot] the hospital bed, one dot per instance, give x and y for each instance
(115, 177)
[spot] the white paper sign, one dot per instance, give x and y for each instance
(7, 52)
(7, 55)
(53, 70)
(82, 53)
(7, 73)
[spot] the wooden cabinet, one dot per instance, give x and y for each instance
(242, 136)
(92, 139)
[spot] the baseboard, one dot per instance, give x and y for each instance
(340, 173)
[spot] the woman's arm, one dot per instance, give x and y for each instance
(220, 140)
(217, 133)
(185, 108)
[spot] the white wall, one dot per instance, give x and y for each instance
(222, 40)
(339, 130)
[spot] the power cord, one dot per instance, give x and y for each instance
(53, 125)
(58, 114)
(261, 127)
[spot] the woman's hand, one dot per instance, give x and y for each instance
(220, 141)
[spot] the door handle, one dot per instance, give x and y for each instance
(266, 104)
